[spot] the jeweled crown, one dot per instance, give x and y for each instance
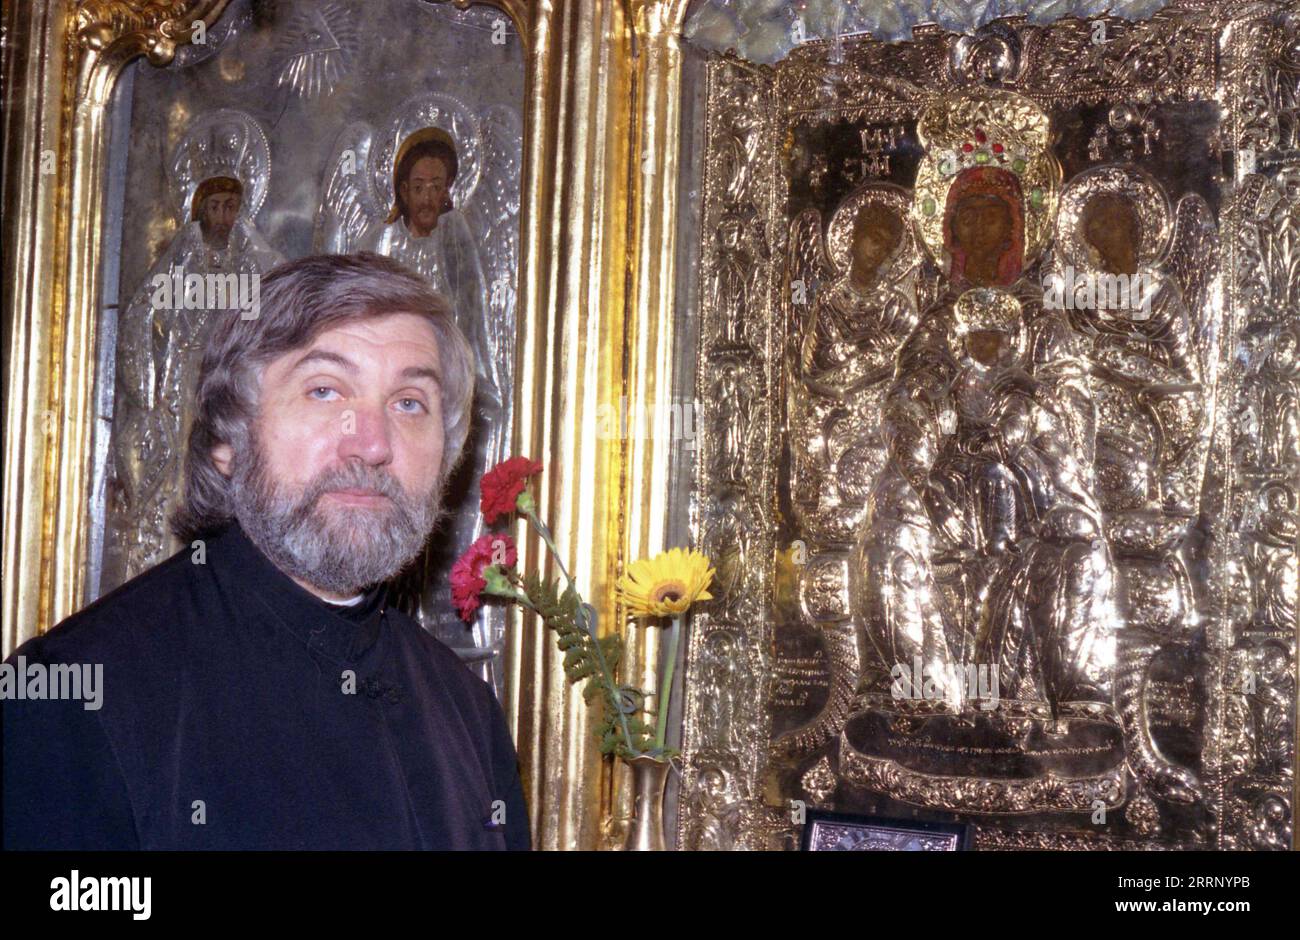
(988, 127)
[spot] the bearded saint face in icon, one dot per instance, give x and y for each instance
(215, 207)
(422, 182)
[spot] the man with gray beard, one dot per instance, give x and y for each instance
(258, 690)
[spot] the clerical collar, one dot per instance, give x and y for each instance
(368, 603)
(343, 633)
(350, 602)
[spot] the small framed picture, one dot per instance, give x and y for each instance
(836, 832)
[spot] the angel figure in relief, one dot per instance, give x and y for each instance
(853, 301)
(1153, 372)
(429, 190)
(219, 173)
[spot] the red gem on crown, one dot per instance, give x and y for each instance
(967, 148)
(997, 148)
(980, 135)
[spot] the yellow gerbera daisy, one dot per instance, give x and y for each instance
(666, 585)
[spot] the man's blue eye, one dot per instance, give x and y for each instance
(416, 402)
(320, 388)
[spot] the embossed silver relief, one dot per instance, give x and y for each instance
(725, 539)
(361, 211)
(721, 805)
(222, 158)
(725, 733)
(854, 301)
(983, 546)
(733, 393)
(1154, 378)
(317, 49)
(983, 465)
(1259, 680)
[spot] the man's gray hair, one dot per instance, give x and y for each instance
(299, 301)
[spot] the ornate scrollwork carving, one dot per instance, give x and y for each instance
(153, 27)
(985, 795)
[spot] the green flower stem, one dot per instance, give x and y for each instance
(522, 596)
(666, 684)
(524, 599)
(545, 533)
(587, 624)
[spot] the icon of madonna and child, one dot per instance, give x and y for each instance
(982, 549)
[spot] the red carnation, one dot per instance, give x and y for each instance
(502, 485)
(467, 573)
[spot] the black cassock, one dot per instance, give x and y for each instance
(240, 711)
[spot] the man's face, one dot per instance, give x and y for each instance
(425, 191)
(344, 484)
(217, 216)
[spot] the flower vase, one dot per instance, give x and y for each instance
(646, 830)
